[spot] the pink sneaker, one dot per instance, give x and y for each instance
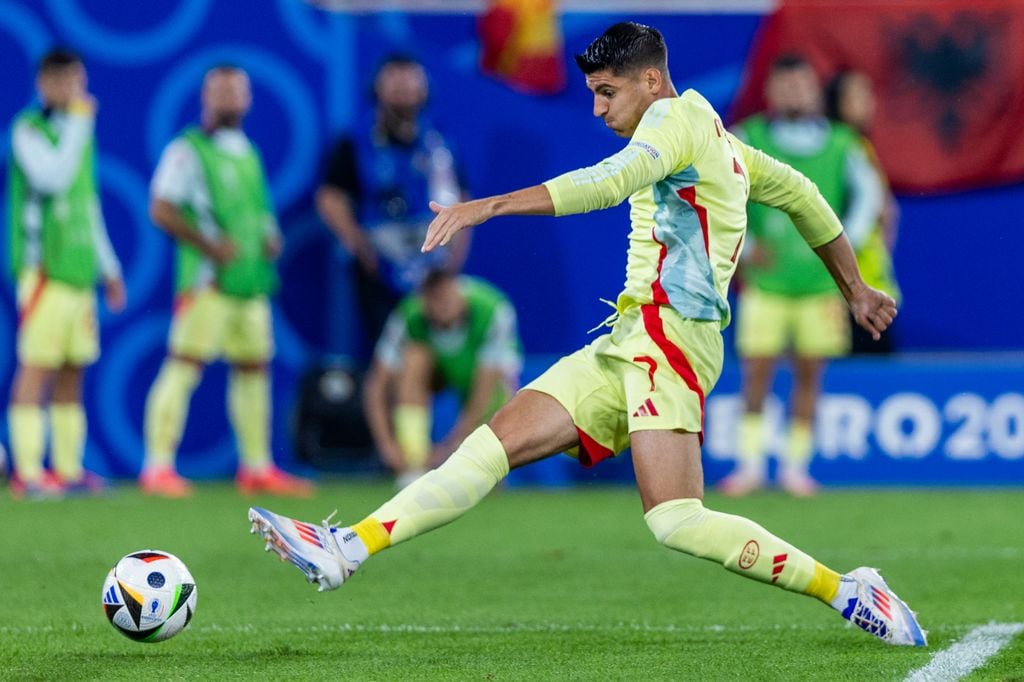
(164, 482)
(88, 484)
(273, 481)
(740, 484)
(46, 488)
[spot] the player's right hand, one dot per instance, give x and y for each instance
(449, 220)
(220, 251)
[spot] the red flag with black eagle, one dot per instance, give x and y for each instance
(522, 45)
(948, 75)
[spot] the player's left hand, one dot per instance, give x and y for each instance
(451, 219)
(873, 310)
(115, 294)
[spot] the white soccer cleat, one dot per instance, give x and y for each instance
(878, 611)
(327, 555)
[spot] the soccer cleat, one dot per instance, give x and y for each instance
(798, 484)
(164, 482)
(326, 554)
(878, 611)
(273, 481)
(740, 484)
(46, 488)
(89, 484)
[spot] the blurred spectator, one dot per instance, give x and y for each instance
(376, 189)
(210, 194)
(790, 302)
(59, 249)
(457, 333)
(850, 99)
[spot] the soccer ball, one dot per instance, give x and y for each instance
(149, 596)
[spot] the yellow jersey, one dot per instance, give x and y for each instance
(688, 181)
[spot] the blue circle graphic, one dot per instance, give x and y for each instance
(143, 268)
(292, 177)
(136, 47)
(31, 34)
(302, 27)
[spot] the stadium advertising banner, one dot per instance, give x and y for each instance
(918, 421)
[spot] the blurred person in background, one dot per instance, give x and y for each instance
(376, 188)
(789, 303)
(59, 250)
(210, 194)
(850, 99)
(458, 333)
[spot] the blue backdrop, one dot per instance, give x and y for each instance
(311, 70)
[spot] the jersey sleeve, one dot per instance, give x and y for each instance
(500, 349)
(50, 169)
(660, 145)
(388, 351)
(177, 174)
(780, 186)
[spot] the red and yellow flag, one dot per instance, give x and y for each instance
(522, 45)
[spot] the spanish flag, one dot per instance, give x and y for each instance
(522, 45)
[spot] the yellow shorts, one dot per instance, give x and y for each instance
(651, 372)
(56, 323)
(208, 325)
(768, 325)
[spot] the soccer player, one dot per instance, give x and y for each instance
(790, 305)
(59, 249)
(210, 194)
(643, 384)
(458, 333)
(376, 188)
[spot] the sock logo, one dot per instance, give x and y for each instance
(748, 557)
(646, 410)
(778, 563)
(388, 525)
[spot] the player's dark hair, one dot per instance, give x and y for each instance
(58, 58)
(624, 48)
(789, 62)
(398, 59)
(225, 67)
(834, 92)
(436, 278)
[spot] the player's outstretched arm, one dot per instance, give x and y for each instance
(450, 220)
(780, 186)
(872, 309)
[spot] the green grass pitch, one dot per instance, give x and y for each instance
(530, 585)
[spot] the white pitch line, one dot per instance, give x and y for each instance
(968, 654)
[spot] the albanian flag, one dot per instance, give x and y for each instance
(948, 76)
(522, 45)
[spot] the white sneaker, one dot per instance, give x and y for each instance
(878, 611)
(327, 555)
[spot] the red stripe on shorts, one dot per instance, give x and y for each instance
(591, 452)
(676, 358)
(33, 300)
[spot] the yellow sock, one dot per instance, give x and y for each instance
(67, 447)
(166, 410)
(373, 534)
(751, 445)
(799, 446)
(249, 409)
(741, 546)
(27, 426)
(412, 431)
(441, 495)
